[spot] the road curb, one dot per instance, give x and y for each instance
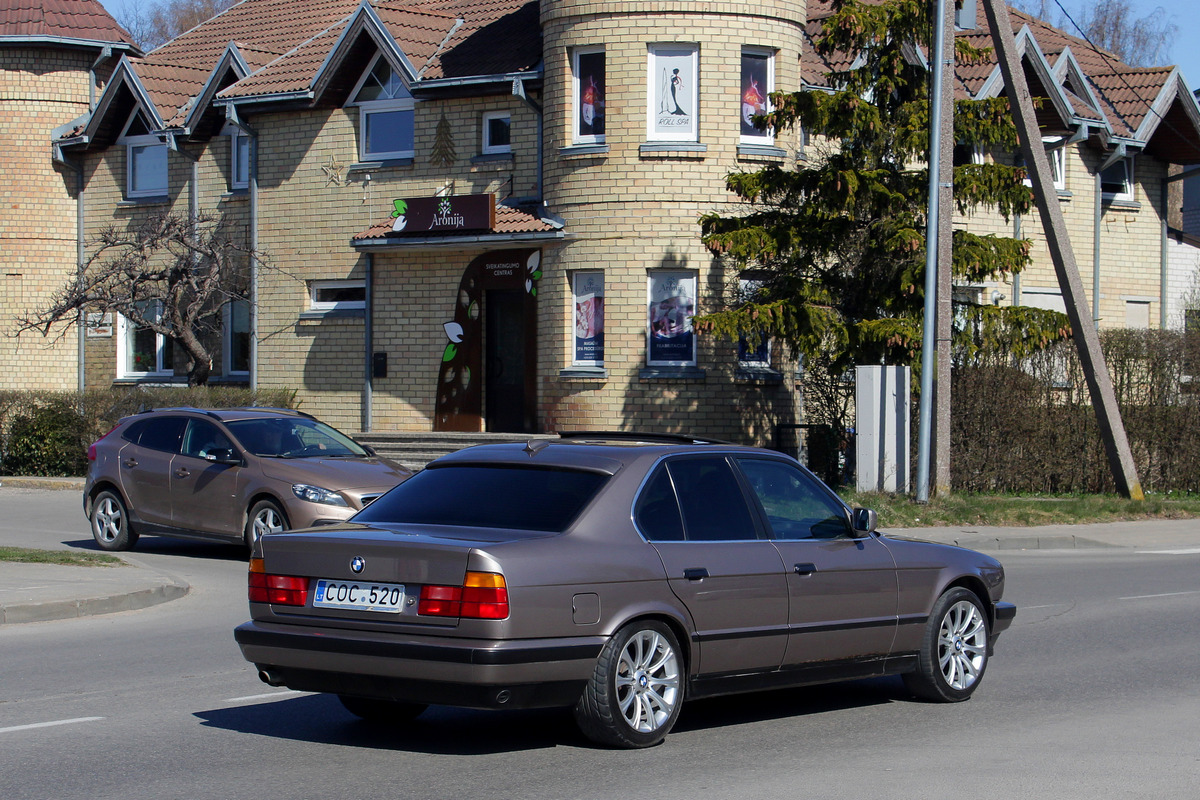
(995, 544)
(91, 606)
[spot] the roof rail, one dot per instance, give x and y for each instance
(277, 409)
(639, 436)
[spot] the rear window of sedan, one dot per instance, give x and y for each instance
(520, 498)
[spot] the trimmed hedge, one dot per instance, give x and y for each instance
(48, 433)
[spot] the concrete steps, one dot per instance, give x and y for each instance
(416, 449)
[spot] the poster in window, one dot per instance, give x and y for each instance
(590, 73)
(754, 89)
(751, 354)
(673, 94)
(672, 304)
(589, 319)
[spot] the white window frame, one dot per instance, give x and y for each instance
(239, 160)
(487, 148)
(1127, 192)
(687, 282)
(1056, 157)
(590, 284)
(656, 93)
(346, 305)
(125, 329)
(369, 108)
(577, 95)
(135, 148)
(227, 337)
(766, 137)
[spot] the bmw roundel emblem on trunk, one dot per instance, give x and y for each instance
(357, 564)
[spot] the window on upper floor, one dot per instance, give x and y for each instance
(587, 73)
(672, 91)
(1056, 156)
(141, 352)
(752, 354)
(587, 289)
(1116, 182)
(385, 114)
(145, 159)
(671, 304)
(758, 81)
(239, 166)
(497, 127)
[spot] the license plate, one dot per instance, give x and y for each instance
(359, 596)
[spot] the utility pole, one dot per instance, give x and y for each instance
(945, 258)
(1091, 357)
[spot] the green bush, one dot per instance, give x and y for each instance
(48, 433)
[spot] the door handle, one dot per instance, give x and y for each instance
(129, 462)
(182, 472)
(695, 573)
(804, 569)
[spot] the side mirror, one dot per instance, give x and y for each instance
(864, 520)
(223, 455)
(370, 450)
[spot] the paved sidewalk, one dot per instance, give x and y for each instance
(41, 592)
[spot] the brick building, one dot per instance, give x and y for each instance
(483, 215)
(55, 58)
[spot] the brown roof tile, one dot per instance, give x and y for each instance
(67, 19)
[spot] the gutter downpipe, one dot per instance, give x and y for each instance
(928, 333)
(231, 115)
(368, 335)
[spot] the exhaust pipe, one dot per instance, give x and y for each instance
(269, 678)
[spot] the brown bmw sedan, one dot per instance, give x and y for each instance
(616, 575)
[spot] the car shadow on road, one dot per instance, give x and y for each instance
(439, 731)
(453, 731)
(162, 545)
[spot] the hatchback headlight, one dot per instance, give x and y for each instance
(317, 494)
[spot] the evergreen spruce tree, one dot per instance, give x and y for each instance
(838, 243)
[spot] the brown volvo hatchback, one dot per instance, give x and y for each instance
(226, 474)
(617, 575)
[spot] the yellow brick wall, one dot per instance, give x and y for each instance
(39, 90)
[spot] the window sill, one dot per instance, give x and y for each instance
(337, 313)
(1120, 204)
(583, 150)
(759, 375)
(761, 151)
(583, 374)
(236, 194)
(671, 374)
(672, 150)
(156, 200)
(366, 166)
(491, 158)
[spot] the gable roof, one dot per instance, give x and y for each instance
(1088, 87)
(80, 23)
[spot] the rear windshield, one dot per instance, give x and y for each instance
(523, 498)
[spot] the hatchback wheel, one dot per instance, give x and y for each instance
(373, 710)
(111, 527)
(636, 690)
(265, 517)
(954, 650)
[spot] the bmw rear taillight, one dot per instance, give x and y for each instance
(279, 590)
(482, 595)
(91, 454)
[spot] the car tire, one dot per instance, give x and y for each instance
(111, 527)
(954, 649)
(384, 711)
(265, 516)
(636, 689)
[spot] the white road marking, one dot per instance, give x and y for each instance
(285, 693)
(1188, 552)
(49, 724)
(1153, 596)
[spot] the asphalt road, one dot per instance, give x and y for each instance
(1092, 693)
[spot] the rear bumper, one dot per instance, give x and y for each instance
(436, 670)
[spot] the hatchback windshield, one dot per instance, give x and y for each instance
(534, 499)
(293, 437)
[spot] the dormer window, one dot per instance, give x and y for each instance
(1116, 182)
(145, 159)
(385, 114)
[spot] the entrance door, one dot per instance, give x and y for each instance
(505, 360)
